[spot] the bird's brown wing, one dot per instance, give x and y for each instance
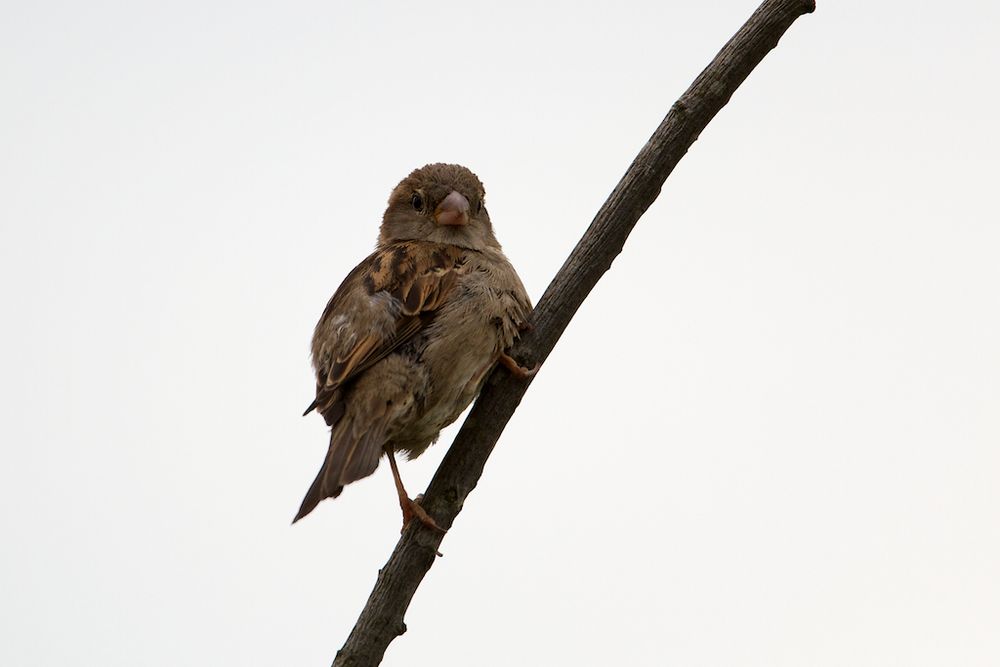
(382, 303)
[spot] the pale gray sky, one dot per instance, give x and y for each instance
(770, 437)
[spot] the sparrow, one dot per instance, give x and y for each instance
(408, 339)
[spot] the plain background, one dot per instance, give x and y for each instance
(770, 436)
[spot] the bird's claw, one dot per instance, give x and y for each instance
(412, 510)
(516, 369)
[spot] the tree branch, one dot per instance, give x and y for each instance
(381, 621)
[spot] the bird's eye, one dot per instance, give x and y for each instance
(417, 201)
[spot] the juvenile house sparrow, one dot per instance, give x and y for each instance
(405, 343)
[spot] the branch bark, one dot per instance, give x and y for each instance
(381, 621)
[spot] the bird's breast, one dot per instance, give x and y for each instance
(478, 321)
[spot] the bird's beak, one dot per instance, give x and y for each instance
(454, 210)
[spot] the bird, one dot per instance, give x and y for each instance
(406, 342)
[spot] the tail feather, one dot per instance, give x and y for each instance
(351, 456)
(317, 492)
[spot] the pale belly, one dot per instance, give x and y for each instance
(458, 350)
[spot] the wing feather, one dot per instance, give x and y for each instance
(383, 303)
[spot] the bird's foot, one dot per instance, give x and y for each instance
(516, 369)
(412, 510)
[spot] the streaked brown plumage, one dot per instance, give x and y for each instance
(405, 343)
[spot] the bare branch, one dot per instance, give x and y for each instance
(381, 621)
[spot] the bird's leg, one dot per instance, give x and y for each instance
(516, 369)
(410, 508)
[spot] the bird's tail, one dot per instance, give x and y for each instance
(352, 455)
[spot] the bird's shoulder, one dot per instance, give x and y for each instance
(418, 274)
(403, 271)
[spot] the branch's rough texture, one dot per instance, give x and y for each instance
(381, 621)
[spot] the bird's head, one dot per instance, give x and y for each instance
(441, 203)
